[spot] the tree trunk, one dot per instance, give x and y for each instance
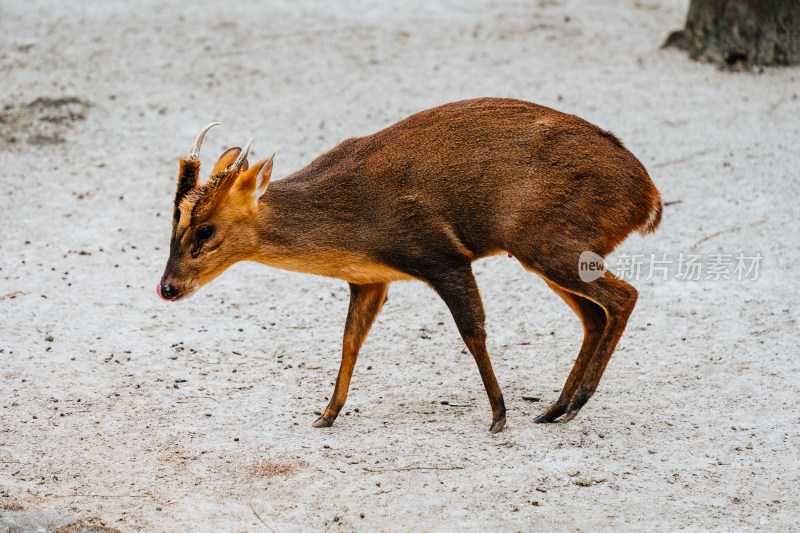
(741, 33)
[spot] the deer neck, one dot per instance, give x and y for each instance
(318, 228)
(293, 226)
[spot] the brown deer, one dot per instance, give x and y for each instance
(423, 199)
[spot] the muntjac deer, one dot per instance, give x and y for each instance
(423, 199)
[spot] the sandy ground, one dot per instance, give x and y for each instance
(122, 410)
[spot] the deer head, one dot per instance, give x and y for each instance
(213, 224)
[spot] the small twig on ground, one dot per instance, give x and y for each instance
(720, 232)
(250, 503)
(776, 105)
(414, 468)
(726, 230)
(684, 159)
(102, 496)
(673, 202)
(209, 397)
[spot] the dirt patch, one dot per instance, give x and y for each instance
(269, 469)
(41, 122)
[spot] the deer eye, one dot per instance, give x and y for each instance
(205, 233)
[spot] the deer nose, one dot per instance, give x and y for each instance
(167, 291)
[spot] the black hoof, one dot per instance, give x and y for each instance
(542, 419)
(551, 414)
(546, 418)
(323, 422)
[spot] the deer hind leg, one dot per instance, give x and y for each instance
(459, 291)
(616, 299)
(365, 304)
(618, 312)
(593, 318)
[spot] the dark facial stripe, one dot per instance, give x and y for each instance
(187, 180)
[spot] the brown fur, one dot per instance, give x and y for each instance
(424, 198)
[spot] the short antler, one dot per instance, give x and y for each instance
(194, 153)
(242, 156)
(190, 167)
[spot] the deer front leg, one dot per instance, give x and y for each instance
(365, 304)
(460, 292)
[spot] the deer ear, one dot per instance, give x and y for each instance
(227, 159)
(254, 181)
(264, 175)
